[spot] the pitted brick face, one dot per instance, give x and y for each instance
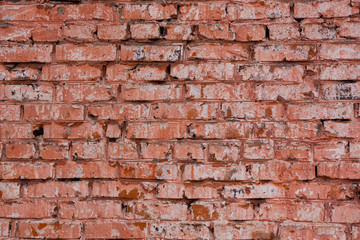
(174, 119)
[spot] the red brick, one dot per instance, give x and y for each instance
(316, 190)
(47, 33)
(16, 130)
(121, 72)
(154, 53)
(276, 211)
(279, 171)
(259, 149)
(293, 130)
(342, 71)
(123, 150)
(264, 190)
(179, 32)
(85, 93)
(88, 150)
(86, 170)
(91, 209)
(56, 189)
(85, 52)
(222, 130)
(349, 29)
(26, 92)
(12, 171)
(347, 213)
(145, 31)
(202, 12)
(204, 211)
(25, 53)
(161, 211)
(28, 209)
(297, 52)
(287, 73)
(115, 229)
(180, 230)
(53, 112)
(4, 228)
(201, 191)
(326, 9)
(220, 91)
(220, 173)
(113, 131)
(224, 152)
(83, 12)
(112, 32)
(9, 190)
(154, 130)
(80, 32)
(20, 150)
(333, 51)
(203, 71)
(342, 129)
(251, 110)
(335, 150)
(150, 150)
(318, 31)
(19, 73)
(54, 151)
(189, 151)
(149, 171)
(117, 189)
(307, 231)
(303, 91)
(71, 73)
(24, 13)
(248, 32)
(85, 130)
(339, 170)
(120, 111)
(148, 92)
(217, 51)
(215, 31)
(308, 111)
(15, 33)
(289, 150)
(268, 9)
(355, 149)
(284, 31)
(184, 111)
(170, 191)
(51, 229)
(149, 11)
(246, 230)
(355, 232)
(340, 91)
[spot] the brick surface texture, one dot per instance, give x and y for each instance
(191, 119)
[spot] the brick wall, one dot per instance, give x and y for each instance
(180, 119)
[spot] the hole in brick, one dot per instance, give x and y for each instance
(38, 132)
(163, 31)
(112, 139)
(267, 33)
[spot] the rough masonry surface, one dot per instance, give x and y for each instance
(142, 119)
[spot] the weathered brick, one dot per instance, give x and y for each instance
(318, 31)
(112, 32)
(202, 11)
(288, 73)
(117, 189)
(51, 229)
(28, 209)
(219, 91)
(341, 91)
(154, 53)
(80, 32)
(222, 130)
(161, 211)
(154, 130)
(339, 170)
(12, 171)
(342, 129)
(252, 110)
(246, 230)
(148, 92)
(284, 31)
(90, 53)
(203, 71)
(224, 152)
(149, 171)
(86, 170)
(56, 189)
(115, 229)
(71, 72)
(248, 32)
(184, 111)
(217, 51)
(24, 13)
(85, 93)
(308, 111)
(182, 230)
(275, 53)
(83, 12)
(25, 53)
(333, 51)
(53, 112)
(145, 31)
(149, 11)
(342, 71)
(215, 31)
(264, 190)
(325, 9)
(268, 9)
(349, 29)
